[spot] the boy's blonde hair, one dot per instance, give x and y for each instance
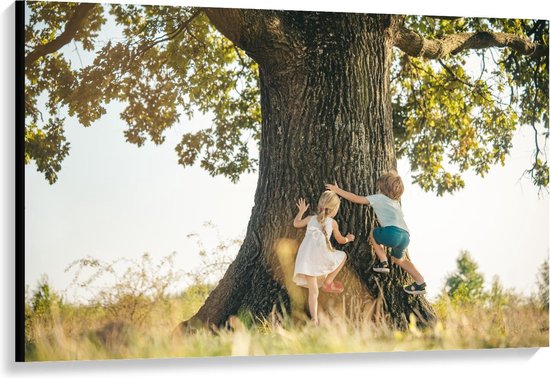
(328, 202)
(391, 185)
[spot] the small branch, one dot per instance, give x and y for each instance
(71, 28)
(451, 72)
(414, 44)
(452, 18)
(482, 71)
(474, 87)
(169, 36)
(243, 63)
(200, 41)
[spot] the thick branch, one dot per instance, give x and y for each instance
(71, 28)
(228, 21)
(414, 44)
(258, 32)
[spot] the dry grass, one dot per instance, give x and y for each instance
(89, 335)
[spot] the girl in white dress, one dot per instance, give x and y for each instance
(317, 261)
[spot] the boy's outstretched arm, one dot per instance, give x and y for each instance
(347, 195)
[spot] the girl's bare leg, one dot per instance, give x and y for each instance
(409, 268)
(313, 294)
(378, 249)
(332, 275)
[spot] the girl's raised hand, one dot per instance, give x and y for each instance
(350, 237)
(302, 205)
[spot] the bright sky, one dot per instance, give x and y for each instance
(114, 199)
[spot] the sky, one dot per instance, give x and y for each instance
(113, 199)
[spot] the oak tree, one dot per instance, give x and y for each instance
(326, 96)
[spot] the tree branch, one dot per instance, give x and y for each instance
(258, 32)
(414, 44)
(228, 21)
(71, 28)
(452, 18)
(451, 72)
(169, 36)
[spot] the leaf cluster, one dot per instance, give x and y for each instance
(448, 120)
(166, 62)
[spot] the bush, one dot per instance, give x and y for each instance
(127, 289)
(465, 285)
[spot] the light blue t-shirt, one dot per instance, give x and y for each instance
(388, 211)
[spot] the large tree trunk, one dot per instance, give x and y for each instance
(326, 117)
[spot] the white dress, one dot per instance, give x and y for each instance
(314, 258)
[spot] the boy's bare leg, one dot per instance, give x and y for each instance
(378, 249)
(409, 268)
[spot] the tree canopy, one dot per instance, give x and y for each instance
(171, 62)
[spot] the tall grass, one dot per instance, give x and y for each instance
(87, 333)
(136, 318)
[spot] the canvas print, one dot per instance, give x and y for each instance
(207, 182)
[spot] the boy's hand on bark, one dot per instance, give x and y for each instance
(332, 187)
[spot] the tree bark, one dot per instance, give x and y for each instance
(326, 117)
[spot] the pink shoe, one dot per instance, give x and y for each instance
(334, 287)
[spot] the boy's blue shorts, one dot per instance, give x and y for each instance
(393, 237)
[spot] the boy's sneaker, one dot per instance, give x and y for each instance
(415, 289)
(381, 267)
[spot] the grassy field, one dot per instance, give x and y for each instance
(68, 332)
(133, 316)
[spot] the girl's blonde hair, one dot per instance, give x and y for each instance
(391, 185)
(328, 203)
